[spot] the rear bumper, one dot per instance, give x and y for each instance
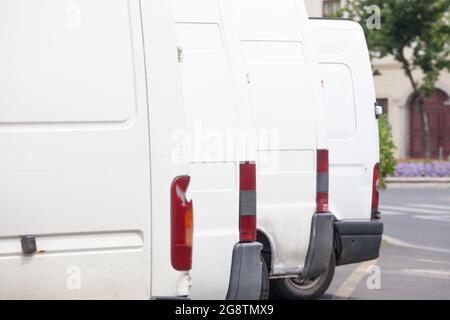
(354, 241)
(357, 241)
(246, 272)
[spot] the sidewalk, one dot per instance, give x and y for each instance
(421, 182)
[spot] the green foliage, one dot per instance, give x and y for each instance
(387, 147)
(415, 32)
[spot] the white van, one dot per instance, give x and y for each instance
(223, 180)
(250, 65)
(93, 204)
(351, 110)
(349, 98)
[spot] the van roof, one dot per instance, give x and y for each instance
(335, 24)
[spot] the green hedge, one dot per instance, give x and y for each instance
(387, 147)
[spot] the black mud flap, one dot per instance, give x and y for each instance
(246, 272)
(357, 241)
(320, 246)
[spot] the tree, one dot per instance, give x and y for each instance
(417, 34)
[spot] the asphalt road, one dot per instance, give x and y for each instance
(415, 254)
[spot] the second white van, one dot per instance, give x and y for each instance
(248, 66)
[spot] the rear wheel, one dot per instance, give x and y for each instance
(265, 281)
(304, 289)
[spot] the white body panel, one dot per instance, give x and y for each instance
(211, 111)
(349, 96)
(249, 65)
(76, 162)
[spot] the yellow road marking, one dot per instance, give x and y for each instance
(346, 289)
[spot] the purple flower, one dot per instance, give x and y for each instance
(423, 169)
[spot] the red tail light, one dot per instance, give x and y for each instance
(247, 202)
(322, 181)
(182, 225)
(375, 192)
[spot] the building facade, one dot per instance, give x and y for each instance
(395, 93)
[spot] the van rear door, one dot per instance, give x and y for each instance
(74, 170)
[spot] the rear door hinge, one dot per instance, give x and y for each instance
(180, 54)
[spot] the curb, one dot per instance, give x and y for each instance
(418, 182)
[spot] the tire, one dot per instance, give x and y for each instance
(265, 281)
(298, 289)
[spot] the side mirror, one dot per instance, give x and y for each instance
(378, 111)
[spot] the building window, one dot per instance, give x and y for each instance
(330, 7)
(384, 102)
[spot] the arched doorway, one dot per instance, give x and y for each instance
(438, 111)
